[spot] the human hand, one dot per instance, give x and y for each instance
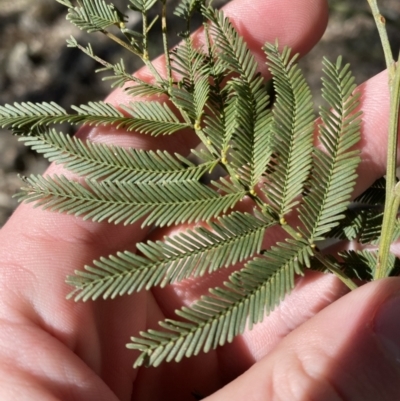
(53, 349)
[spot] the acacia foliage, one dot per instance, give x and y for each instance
(266, 152)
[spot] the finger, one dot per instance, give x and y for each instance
(375, 105)
(349, 351)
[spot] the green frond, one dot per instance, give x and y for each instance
(186, 8)
(363, 219)
(292, 131)
(200, 96)
(375, 194)
(233, 51)
(142, 89)
(191, 103)
(193, 85)
(114, 163)
(141, 5)
(217, 318)
(334, 171)
(94, 15)
(20, 115)
(188, 62)
(150, 117)
(218, 93)
(248, 146)
(363, 225)
(220, 125)
(164, 203)
(120, 77)
(229, 240)
(360, 264)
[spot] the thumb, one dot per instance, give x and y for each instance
(350, 351)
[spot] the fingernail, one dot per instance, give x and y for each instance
(387, 326)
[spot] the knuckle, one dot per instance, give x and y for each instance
(303, 376)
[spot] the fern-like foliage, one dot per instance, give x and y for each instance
(147, 117)
(113, 163)
(164, 203)
(230, 240)
(219, 317)
(292, 132)
(93, 15)
(334, 169)
(266, 149)
(361, 264)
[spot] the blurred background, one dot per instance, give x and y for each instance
(35, 64)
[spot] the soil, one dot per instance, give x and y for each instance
(36, 65)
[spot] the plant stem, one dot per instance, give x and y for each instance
(392, 189)
(165, 40)
(289, 229)
(145, 41)
(392, 199)
(392, 193)
(381, 25)
(145, 60)
(388, 226)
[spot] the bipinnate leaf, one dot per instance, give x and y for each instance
(334, 170)
(142, 5)
(363, 224)
(362, 263)
(119, 77)
(246, 147)
(115, 163)
(229, 240)
(259, 156)
(29, 115)
(217, 318)
(164, 203)
(292, 132)
(153, 118)
(186, 8)
(363, 219)
(94, 15)
(374, 195)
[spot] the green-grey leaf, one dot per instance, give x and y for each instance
(94, 15)
(114, 163)
(219, 317)
(163, 203)
(150, 117)
(334, 171)
(292, 132)
(230, 240)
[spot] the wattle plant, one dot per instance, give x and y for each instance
(265, 150)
